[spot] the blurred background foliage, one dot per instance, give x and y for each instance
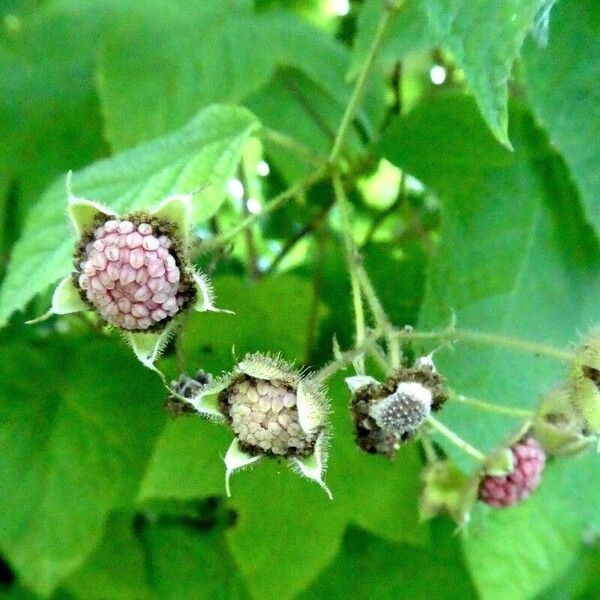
(473, 176)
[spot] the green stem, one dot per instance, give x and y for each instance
(487, 406)
(456, 440)
(493, 339)
(352, 105)
(226, 237)
(379, 314)
(347, 357)
(380, 358)
(428, 448)
(486, 339)
(289, 143)
(450, 334)
(350, 251)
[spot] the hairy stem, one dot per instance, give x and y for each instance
(352, 105)
(456, 439)
(428, 448)
(381, 318)
(350, 248)
(300, 150)
(346, 358)
(228, 236)
(451, 333)
(489, 407)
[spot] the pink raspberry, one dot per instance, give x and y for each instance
(507, 490)
(130, 273)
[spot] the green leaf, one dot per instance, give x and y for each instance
(278, 307)
(116, 569)
(176, 554)
(49, 114)
(187, 461)
(203, 153)
(582, 581)
(153, 78)
(304, 526)
(408, 32)
(190, 563)
(485, 38)
(213, 52)
(305, 530)
(516, 259)
(562, 85)
(78, 422)
(369, 567)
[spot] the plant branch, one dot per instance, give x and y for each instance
(228, 236)
(289, 143)
(380, 315)
(351, 252)
(252, 255)
(374, 336)
(489, 407)
(456, 439)
(346, 358)
(391, 8)
(313, 320)
(487, 339)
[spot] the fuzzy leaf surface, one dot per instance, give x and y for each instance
(485, 39)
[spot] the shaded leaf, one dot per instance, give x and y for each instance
(369, 567)
(116, 569)
(562, 85)
(409, 31)
(74, 440)
(218, 52)
(191, 562)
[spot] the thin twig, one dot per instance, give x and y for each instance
(277, 202)
(299, 235)
(352, 105)
(252, 255)
(289, 143)
(346, 358)
(487, 339)
(313, 318)
(456, 439)
(489, 407)
(350, 252)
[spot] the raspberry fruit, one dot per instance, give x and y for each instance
(508, 490)
(264, 417)
(133, 271)
(129, 271)
(273, 410)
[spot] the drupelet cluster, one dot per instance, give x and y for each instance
(502, 491)
(264, 416)
(130, 274)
